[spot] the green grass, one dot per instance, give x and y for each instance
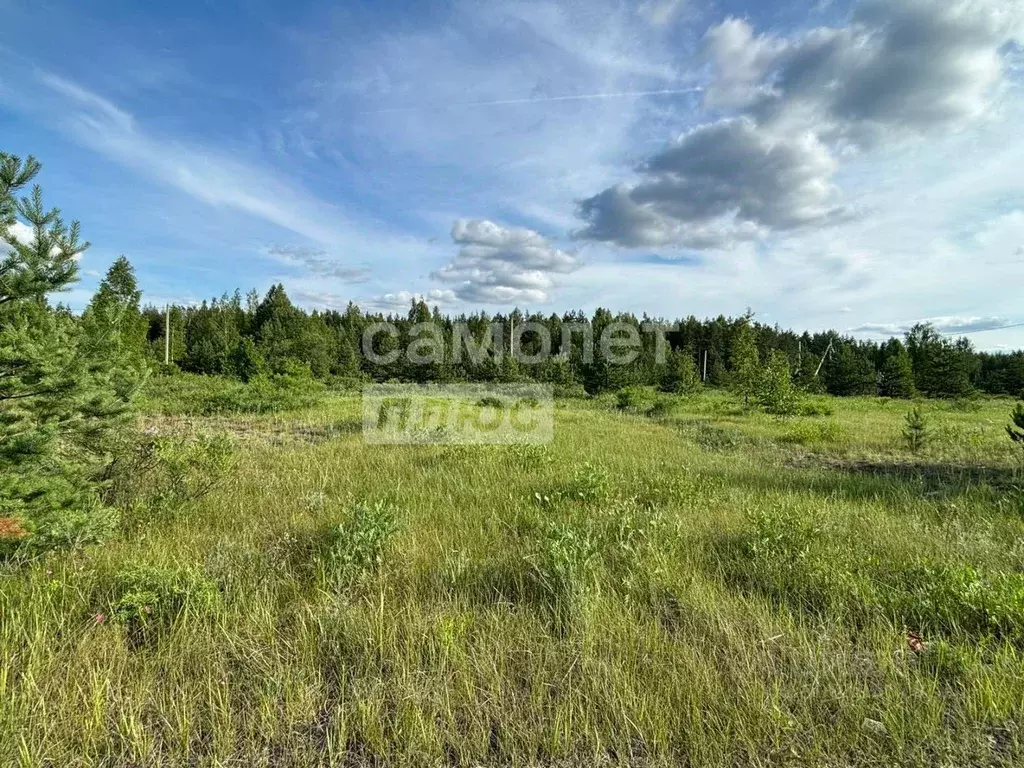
(706, 586)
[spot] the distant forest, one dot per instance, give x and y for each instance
(243, 337)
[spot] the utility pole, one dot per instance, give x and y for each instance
(167, 335)
(705, 376)
(512, 336)
(799, 356)
(823, 357)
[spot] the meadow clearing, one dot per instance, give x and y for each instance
(689, 584)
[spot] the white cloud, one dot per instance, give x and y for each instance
(897, 69)
(906, 67)
(25, 235)
(503, 265)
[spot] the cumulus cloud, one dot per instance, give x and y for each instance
(318, 263)
(895, 70)
(908, 67)
(502, 265)
(716, 185)
(945, 325)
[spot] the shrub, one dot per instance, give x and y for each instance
(961, 598)
(565, 568)
(915, 432)
(78, 519)
(152, 597)
(814, 408)
(809, 433)
(662, 407)
(357, 547)
(198, 395)
(775, 391)
(491, 402)
(634, 399)
(629, 534)
(571, 391)
(589, 483)
(164, 474)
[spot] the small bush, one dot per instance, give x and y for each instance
(565, 568)
(357, 547)
(814, 407)
(589, 483)
(662, 407)
(810, 433)
(952, 598)
(571, 391)
(198, 395)
(149, 597)
(775, 392)
(630, 535)
(74, 514)
(491, 402)
(638, 399)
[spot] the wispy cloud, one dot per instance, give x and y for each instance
(945, 325)
(318, 262)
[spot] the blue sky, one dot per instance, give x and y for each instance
(855, 165)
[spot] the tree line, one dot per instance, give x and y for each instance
(245, 337)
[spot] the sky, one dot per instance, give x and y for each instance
(854, 166)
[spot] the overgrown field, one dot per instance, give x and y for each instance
(688, 584)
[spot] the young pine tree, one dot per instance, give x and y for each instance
(680, 372)
(54, 394)
(115, 331)
(915, 430)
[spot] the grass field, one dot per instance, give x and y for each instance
(709, 586)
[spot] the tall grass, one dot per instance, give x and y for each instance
(707, 586)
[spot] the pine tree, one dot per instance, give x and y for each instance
(58, 404)
(850, 372)
(680, 372)
(915, 430)
(897, 377)
(942, 368)
(115, 330)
